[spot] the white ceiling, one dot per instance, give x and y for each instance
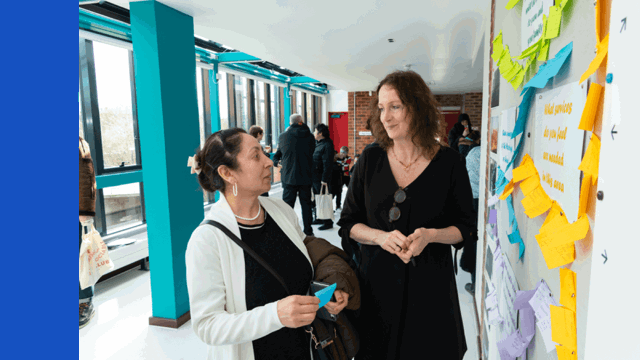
(344, 43)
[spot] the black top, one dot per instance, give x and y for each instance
(455, 134)
(323, 161)
(273, 245)
(295, 149)
(409, 310)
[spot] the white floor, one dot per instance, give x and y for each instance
(120, 328)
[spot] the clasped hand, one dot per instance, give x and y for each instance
(406, 247)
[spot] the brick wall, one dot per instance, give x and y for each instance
(472, 104)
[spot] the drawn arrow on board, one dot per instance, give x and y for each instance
(613, 132)
(624, 24)
(604, 256)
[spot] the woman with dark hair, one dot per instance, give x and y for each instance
(322, 167)
(409, 201)
(459, 130)
(237, 306)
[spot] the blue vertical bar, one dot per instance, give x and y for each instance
(214, 92)
(163, 43)
(287, 106)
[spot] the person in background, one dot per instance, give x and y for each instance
(345, 162)
(460, 129)
(258, 133)
(295, 150)
(408, 203)
(467, 143)
(355, 161)
(336, 179)
(87, 213)
(322, 166)
(468, 257)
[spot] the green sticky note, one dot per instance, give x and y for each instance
(533, 49)
(512, 72)
(544, 51)
(563, 4)
(553, 23)
(529, 62)
(511, 4)
(517, 80)
(497, 47)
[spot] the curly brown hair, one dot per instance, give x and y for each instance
(422, 108)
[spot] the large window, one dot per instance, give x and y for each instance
(223, 96)
(241, 102)
(113, 82)
(275, 115)
(261, 112)
(122, 206)
(200, 92)
(310, 115)
(299, 103)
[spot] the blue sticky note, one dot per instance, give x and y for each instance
(325, 294)
(549, 70)
(523, 113)
(493, 216)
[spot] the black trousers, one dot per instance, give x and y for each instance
(303, 192)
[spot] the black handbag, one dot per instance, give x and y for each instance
(322, 332)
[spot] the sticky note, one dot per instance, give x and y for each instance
(517, 80)
(544, 51)
(591, 161)
(511, 4)
(553, 23)
(325, 294)
(509, 69)
(566, 353)
(563, 327)
(591, 107)
(507, 190)
(536, 203)
(603, 49)
(544, 326)
(529, 184)
(563, 4)
(565, 234)
(514, 345)
(493, 200)
(526, 169)
(598, 21)
(558, 256)
(585, 189)
(493, 216)
(568, 289)
(551, 68)
(531, 50)
(497, 47)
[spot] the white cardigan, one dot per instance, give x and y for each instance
(216, 283)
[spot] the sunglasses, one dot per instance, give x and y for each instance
(398, 198)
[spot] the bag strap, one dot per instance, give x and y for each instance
(249, 250)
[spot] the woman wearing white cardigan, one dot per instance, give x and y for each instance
(237, 306)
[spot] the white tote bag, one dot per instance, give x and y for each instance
(94, 256)
(324, 204)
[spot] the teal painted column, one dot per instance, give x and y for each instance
(214, 96)
(287, 107)
(164, 59)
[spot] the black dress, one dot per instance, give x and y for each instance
(409, 312)
(273, 245)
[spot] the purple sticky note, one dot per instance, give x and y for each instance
(495, 230)
(513, 346)
(493, 216)
(522, 299)
(527, 323)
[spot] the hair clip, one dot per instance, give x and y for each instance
(194, 163)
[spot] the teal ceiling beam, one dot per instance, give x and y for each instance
(235, 57)
(101, 25)
(302, 80)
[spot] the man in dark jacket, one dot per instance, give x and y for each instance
(295, 149)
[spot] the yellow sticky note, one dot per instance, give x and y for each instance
(563, 327)
(529, 184)
(511, 4)
(554, 212)
(511, 70)
(558, 256)
(536, 203)
(508, 189)
(603, 49)
(568, 289)
(585, 189)
(569, 233)
(544, 51)
(497, 47)
(566, 353)
(591, 161)
(563, 4)
(529, 62)
(553, 23)
(591, 107)
(532, 50)
(526, 169)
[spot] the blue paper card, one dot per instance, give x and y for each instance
(325, 294)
